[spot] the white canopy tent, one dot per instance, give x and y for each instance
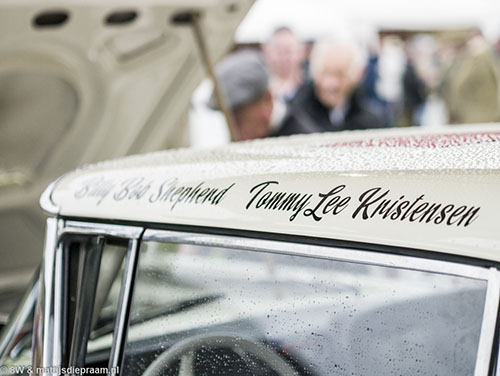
(312, 19)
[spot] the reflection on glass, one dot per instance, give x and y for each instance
(213, 311)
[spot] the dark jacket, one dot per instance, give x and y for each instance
(306, 114)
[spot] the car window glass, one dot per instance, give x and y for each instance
(106, 304)
(213, 311)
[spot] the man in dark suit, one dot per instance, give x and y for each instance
(331, 101)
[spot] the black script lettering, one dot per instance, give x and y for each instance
(408, 211)
(385, 207)
(456, 213)
(430, 213)
(418, 210)
(183, 192)
(343, 204)
(283, 201)
(263, 200)
(177, 192)
(275, 201)
(170, 191)
(367, 199)
(332, 205)
(164, 191)
(219, 196)
(210, 195)
(262, 186)
(193, 193)
(201, 194)
(399, 210)
(443, 213)
(375, 202)
(472, 216)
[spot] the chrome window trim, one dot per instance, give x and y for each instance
(89, 228)
(48, 324)
(341, 254)
(59, 309)
(87, 278)
(489, 323)
(123, 311)
(491, 276)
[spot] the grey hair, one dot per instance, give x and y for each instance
(321, 47)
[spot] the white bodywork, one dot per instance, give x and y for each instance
(441, 190)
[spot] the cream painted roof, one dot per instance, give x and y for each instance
(451, 148)
(431, 190)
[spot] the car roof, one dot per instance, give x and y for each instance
(432, 190)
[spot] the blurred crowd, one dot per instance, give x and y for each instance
(289, 87)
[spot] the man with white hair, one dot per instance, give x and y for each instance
(331, 102)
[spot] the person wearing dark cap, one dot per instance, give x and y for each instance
(244, 81)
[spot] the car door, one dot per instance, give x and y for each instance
(119, 299)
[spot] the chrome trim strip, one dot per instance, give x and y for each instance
(88, 277)
(125, 302)
(489, 323)
(88, 228)
(491, 276)
(59, 304)
(47, 330)
(341, 254)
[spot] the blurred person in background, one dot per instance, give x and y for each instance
(415, 91)
(471, 89)
(425, 106)
(389, 84)
(244, 81)
(393, 84)
(331, 101)
(284, 54)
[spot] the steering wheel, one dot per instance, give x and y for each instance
(185, 350)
